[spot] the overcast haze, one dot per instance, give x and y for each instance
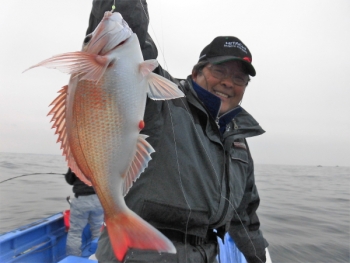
(300, 48)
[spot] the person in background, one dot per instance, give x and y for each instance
(85, 208)
(200, 182)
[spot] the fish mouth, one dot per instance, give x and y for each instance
(111, 33)
(120, 44)
(112, 41)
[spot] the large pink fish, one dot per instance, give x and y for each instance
(98, 117)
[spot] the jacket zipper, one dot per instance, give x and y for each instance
(235, 126)
(217, 121)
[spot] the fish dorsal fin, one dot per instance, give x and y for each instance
(59, 123)
(160, 88)
(79, 63)
(139, 163)
(58, 113)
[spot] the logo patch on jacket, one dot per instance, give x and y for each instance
(240, 145)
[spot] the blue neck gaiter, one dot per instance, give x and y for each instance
(213, 104)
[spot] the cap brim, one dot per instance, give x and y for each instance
(222, 59)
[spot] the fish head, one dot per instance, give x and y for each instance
(110, 32)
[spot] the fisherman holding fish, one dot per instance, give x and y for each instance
(201, 176)
(168, 158)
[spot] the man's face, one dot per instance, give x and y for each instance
(226, 81)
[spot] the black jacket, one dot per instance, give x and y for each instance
(198, 178)
(79, 188)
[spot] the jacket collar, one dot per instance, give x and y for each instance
(213, 104)
(242, 126)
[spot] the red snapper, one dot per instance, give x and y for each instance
(98, 117)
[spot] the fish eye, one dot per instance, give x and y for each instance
(87, 39)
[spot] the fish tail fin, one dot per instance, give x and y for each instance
(128, 230)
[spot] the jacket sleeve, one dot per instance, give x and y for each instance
(135, 13)
(70, 177)
(245, 224)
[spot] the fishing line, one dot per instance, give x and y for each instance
(26, 175)
(113, 7)
(176, 153)
(182, 188)
(155, 35)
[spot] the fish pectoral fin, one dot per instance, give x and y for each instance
(161, 88)
(97, 66)
(148, 66)
(91, 66)
(139, 163)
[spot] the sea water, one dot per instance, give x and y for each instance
(304, 210)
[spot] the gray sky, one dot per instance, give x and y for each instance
(301, 52)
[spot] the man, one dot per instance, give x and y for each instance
(200, 182)
(85, 208)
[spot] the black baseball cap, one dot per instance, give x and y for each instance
(223, 49)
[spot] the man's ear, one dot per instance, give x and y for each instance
(195, 74)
